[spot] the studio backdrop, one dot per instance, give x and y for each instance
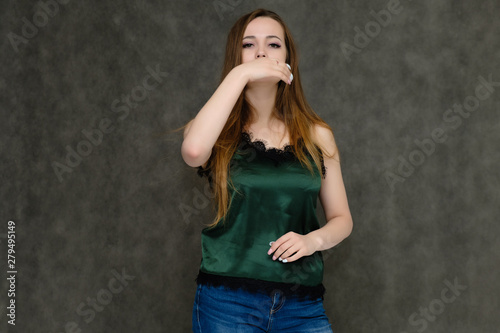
(101, 218)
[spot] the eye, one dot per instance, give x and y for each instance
(275, 46)
(246, 45)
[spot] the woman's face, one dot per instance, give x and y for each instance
(263, 37)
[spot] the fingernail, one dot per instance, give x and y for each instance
(290, 68)
(284, 261)
(291, 77)
(280, 259)
(271, 243)
(274, 257)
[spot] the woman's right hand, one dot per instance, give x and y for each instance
(266, 70)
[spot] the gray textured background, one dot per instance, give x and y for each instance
(119, 209)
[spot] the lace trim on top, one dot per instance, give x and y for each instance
(205, 173)
(278, 155)
(285, 153)
(255, 285)
(262, 145)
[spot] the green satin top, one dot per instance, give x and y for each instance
(274, 194)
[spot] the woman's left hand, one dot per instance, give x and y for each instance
(292, 246)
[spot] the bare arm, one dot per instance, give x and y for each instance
(334, 201)
(203, 131)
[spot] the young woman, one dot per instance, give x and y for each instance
(267, 156)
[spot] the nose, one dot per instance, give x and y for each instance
(261, 53)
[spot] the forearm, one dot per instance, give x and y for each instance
(210, 120)
(332, 233)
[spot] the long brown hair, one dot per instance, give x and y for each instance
(291, 107)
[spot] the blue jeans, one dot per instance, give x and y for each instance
(217, 310)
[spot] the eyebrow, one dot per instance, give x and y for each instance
(267, 37)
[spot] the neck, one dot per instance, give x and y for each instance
(263, 98)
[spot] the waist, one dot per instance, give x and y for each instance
(261, 286)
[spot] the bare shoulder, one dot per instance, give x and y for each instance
(325, 139)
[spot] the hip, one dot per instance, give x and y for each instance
(219, 309)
